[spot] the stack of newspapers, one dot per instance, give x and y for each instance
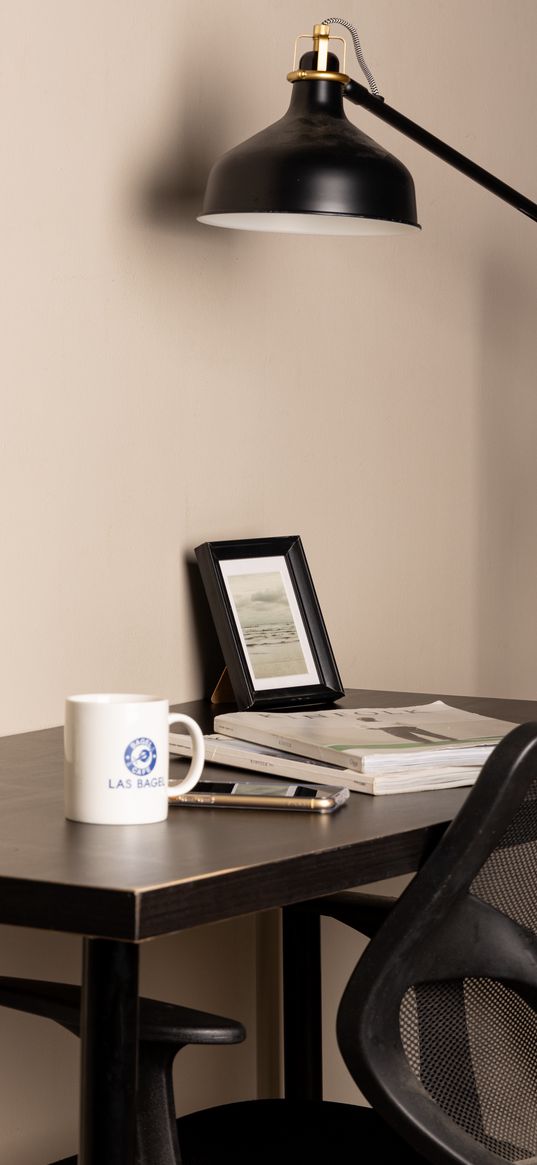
(366, 750)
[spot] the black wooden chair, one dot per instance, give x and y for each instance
(165, 1028)
(438, 1023)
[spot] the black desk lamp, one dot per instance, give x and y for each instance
(314, 172)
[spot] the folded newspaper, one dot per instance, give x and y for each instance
(376, 740)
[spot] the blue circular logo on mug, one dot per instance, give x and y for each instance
(141, 756)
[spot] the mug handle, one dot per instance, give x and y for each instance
(198, 753)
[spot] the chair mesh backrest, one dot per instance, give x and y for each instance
(473, 1042)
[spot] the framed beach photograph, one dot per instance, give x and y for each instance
(269, 623)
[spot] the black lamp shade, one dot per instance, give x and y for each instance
(312, 172)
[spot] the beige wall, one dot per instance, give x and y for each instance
(164, 383)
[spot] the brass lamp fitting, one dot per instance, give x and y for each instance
(321, 38)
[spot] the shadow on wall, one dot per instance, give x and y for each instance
(208, 650)
(172, 193)
(506, 546)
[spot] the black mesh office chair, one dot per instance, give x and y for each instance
(438, 1023)
(165, 1028)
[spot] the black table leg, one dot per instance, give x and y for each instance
(302, 1015)
(109, 1034)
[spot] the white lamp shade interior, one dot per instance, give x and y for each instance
(306, 224)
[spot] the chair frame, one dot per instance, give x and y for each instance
(438, 931)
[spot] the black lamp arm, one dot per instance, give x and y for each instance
(359, 95)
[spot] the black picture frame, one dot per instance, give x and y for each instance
(285, 659)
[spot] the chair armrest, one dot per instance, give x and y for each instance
(159, 1022)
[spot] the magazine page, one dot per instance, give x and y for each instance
(370, 738)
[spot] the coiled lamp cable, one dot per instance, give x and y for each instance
(358, 50)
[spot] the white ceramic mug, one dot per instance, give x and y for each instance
(117, 758)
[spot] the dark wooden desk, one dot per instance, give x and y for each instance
(118, 886)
